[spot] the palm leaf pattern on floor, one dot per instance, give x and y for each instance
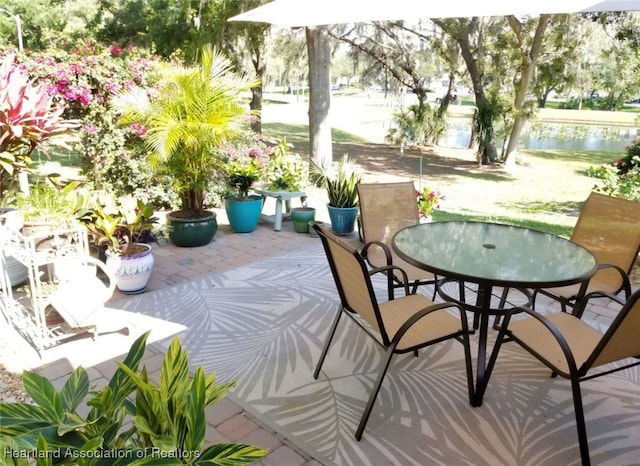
(264, 325)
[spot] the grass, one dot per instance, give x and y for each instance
(553, 228)
(544, 193)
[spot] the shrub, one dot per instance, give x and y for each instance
(84, 78)
(621, 178)
(163, 423)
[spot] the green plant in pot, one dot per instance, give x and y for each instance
(342, 192)
(123, 225)
(189, 117)
(244, 169)
(286, 171)
(48, 206)
(131, 420)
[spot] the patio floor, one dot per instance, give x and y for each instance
(226, 420)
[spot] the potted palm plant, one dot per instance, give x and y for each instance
(342, 192)
(194, 111)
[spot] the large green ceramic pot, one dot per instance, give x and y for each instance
(191, 232)
(243, 214)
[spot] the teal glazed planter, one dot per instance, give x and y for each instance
(301, 216)
(343, 219)
(191, 232)
(243, 214)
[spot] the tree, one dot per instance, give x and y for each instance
(469, 33)
(530, 45)
(397, 48)
(243, 42)
(319, 95)
(561, 60)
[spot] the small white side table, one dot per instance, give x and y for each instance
(280, 196)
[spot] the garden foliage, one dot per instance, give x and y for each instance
(82, 79)
(621, 178)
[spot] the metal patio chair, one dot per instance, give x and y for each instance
(400, 325)
(609, 228)
(571, 348)
(386, 208)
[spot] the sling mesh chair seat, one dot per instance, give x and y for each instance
(386, 208)
(400, 325)
(609, 228)
(571, 348)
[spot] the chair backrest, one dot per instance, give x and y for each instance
(609, 227)
(386, 208)
(352, 279)
(622, 338)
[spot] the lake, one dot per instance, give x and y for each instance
(553, 136)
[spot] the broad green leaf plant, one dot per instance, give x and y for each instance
(131, 421)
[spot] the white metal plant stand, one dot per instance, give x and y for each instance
(62, 257)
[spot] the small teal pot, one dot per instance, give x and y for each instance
(301, 216)
(343, 219)
(243, 214)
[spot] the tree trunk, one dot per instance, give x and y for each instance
(256, 92)
(319, 95)
(256, 104)
(462, 32)
(528, 67)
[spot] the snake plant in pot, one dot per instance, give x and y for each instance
(194, 112)
(342, 192)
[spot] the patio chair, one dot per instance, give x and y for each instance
(571, 348)
(386, 208)
(609, 227)
(398, 325)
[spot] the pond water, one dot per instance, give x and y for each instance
(553, 136)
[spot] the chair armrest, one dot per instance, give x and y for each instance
(626, 283)
(381, 245)
(388, 271)
(582, 304)
(428, 310)
(557, 335)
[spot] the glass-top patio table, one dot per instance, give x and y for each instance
(490, 255)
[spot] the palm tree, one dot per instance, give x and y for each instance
(195, 111)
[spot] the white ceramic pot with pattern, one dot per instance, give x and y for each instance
(131, 271)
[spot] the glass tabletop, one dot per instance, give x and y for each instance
(499, 254)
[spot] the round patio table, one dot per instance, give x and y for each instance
(489, 255)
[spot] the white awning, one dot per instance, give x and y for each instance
(294, 13)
